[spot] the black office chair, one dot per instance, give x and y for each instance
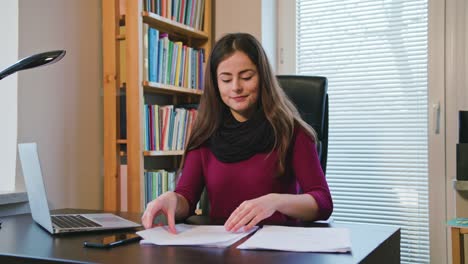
(309, 94)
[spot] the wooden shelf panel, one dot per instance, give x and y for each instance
(163, 153)
(169, 89)
(167, 25)
(121, 141)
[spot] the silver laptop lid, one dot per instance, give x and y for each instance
(35, 185)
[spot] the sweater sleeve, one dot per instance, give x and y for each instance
(309, 174)
(191, 181)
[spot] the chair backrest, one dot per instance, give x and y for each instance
(309, 94)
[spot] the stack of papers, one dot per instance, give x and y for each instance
(192, 235)
(284, 238)
(300, 239)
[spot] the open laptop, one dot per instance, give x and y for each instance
(61, 223)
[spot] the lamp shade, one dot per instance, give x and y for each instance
(33, 61)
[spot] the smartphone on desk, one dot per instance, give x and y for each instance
(112, 240)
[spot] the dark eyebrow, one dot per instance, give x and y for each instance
(241, 72)
(248, 70)
(225, 73)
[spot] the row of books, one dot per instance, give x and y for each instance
(167, 127)
(172, 62)
(188, 12)
(158, 182)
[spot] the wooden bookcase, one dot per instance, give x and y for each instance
(128, 64)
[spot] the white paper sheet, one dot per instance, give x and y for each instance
(300, 239)
(193, 235)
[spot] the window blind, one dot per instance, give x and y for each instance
(374, 54)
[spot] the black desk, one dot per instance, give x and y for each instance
(23, 241)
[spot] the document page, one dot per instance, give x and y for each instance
(300, 239)
(193, 235)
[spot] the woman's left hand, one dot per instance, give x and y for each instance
(251, 212)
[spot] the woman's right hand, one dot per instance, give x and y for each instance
(165, 204)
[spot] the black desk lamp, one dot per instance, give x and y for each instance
(33, 61)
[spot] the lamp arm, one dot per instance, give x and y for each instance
(34, 61)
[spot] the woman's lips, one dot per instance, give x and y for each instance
(239, 98)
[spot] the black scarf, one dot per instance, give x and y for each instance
(236, 141)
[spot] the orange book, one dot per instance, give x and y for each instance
(163, 8)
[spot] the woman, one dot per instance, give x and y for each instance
(249, 147)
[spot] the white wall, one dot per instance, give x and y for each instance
(60, 105)
(237, 16)
(8, 88)
(258, 17)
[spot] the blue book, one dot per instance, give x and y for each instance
(194, 69)
(150, 54)
(171, 128)
(184, 135)
(155, 47)
(200, 68)
(188, 12)
(149, 184)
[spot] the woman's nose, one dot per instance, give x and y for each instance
(236, 85)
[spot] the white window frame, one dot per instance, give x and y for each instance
(9, 13)
(439, 192)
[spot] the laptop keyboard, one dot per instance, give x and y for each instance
(73, 221)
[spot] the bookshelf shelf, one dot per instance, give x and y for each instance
(168, 25)
(154, 87)
(121, 141)
(164, 153)
(155, 153)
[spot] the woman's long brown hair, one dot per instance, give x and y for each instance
(279, 110)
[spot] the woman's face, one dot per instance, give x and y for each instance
(237, 79)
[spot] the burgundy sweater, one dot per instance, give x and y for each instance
(229, 184)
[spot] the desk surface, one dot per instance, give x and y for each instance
(23, 240)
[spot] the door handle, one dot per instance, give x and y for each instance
(436, 112)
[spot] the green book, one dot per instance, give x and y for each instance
(154, 191)
(169, 62)
(164, 181)
(458, 222)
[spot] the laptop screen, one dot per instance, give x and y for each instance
(34, 184)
